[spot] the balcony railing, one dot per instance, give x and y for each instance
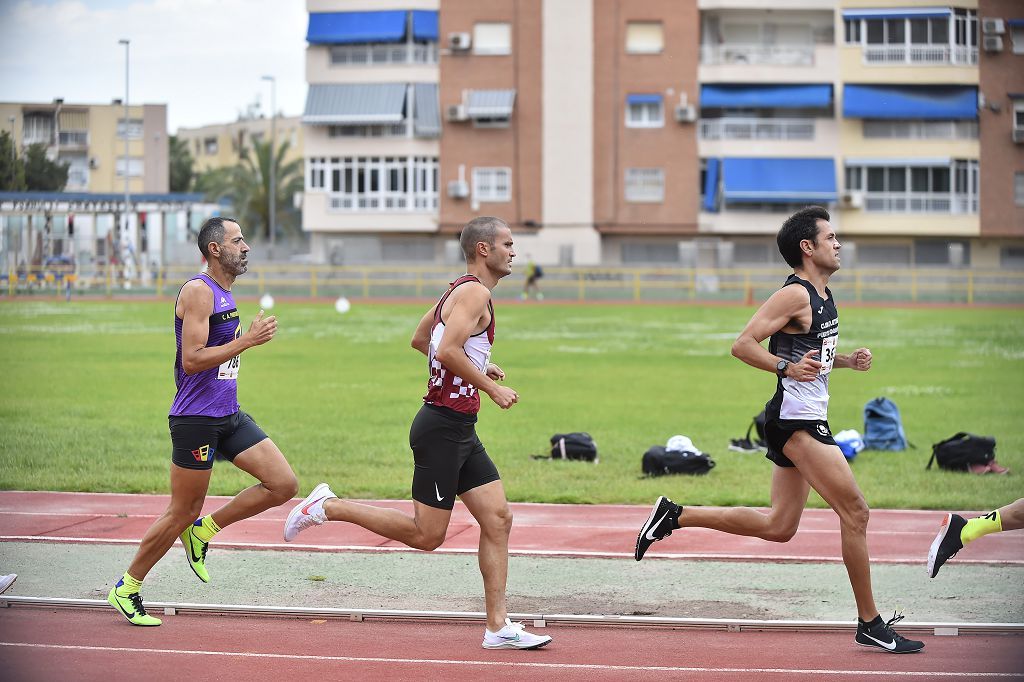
(920, 202)
(921, 130)
(364, 55)
(757, 129)
(737, 53)
(920, 54)
(385, 201)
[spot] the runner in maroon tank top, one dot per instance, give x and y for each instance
(456, 336)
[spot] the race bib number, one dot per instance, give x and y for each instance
(229, 369)
(828, 353)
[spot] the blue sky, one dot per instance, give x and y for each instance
(202, 58)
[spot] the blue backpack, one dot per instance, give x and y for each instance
(883, 429)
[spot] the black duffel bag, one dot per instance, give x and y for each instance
(576, 445)
(958, 452)
(658, 461)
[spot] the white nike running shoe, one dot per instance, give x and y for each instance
(310, 512)
(513, 636)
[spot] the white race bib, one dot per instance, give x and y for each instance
(229, 369)
(828, 353)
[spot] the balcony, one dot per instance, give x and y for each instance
(927, 55)
(776, 55)
(379, 54)
(384, 201)
(756, 129)
(920, 202)
(74, 138)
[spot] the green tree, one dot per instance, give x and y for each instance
(12, 170)
(42, 174)
(247, 186)
(181, 172)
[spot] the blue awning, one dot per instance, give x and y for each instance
(935, 102)
(796, 96)
(424, 25)
(778, 181)
(711, 186)
(643, 99)
(1015, 23)
(341, 28)
(898, 13)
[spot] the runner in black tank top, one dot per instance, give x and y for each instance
(803, 324)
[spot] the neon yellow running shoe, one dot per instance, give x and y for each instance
(130, 606)
(195, 552)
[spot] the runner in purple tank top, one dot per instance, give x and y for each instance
(205, 419)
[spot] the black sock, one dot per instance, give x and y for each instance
(871, 623)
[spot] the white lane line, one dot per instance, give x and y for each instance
(565, 553)
(555, 666)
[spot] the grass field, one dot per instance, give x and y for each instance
(86, 387)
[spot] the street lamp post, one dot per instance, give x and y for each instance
(124, 231)
(273, 153)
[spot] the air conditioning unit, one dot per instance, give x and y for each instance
(852, 200)
(459, 41)
(686, 113)
(456, 112)
(1018, 135)
(458, 189)
(94, 163)
(992, 25)
(992, 43)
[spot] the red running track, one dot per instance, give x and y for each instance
(47, 644)
(894, 536)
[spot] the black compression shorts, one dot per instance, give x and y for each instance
(196, 439)
(449, 457)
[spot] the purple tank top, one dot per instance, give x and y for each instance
(212, 392)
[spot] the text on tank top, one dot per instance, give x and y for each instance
(808, 399)
(444, 387)
(212, 392)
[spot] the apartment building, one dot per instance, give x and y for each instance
(1001, 114)
(221, 145)
(91, 139)
(673, 132)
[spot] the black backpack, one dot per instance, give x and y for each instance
(577, 445)
(658, 461)
(961, 450)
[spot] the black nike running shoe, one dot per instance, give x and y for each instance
(880, 635)
(946, 544)
(660, 524)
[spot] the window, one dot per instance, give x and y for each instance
(210, 146)
(1017, 38)
(134, 128)
(1018, 189)
(917, 189)
(853, 27)
(645, 185)
(368, 130)
(1011, 256)
(644, 111)
(492, 184)
(134, 167)
(925, 130)
(492, 38)
(374, 183)
(644, 252)
(1018, 115)
(644, 37)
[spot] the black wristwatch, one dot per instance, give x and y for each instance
(781, 368)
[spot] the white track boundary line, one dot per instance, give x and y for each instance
(543, 553)
(507, 664)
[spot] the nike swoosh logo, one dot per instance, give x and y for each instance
(191, 551)
(650, 531)
(121, 609)
(510, 639)
(305, 510)
(441, 499)
(888, 645)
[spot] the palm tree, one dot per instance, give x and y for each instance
(247, 186)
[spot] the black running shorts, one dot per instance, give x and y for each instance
(195, 439)
(449, 457)
(778, 431)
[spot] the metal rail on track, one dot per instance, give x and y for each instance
(538, 620)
